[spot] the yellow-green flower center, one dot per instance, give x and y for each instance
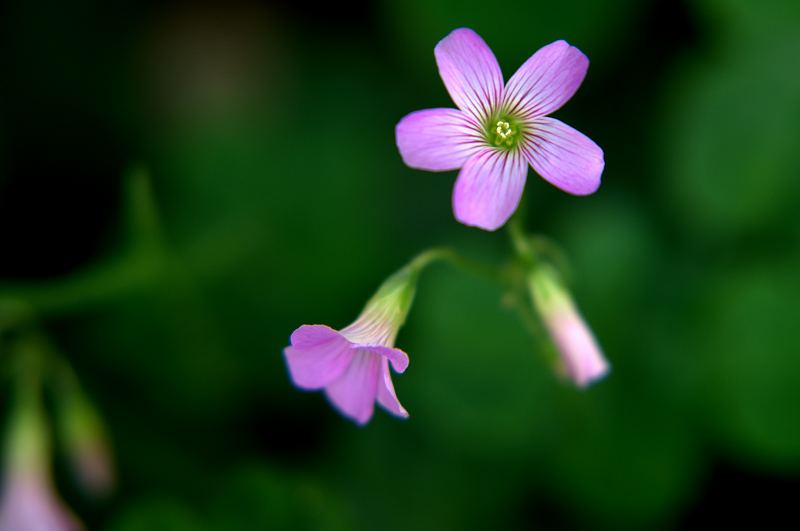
(503, 132)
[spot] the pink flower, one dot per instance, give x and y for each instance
(29, 501)
(581, 357)
(352, 365)
(498, 130)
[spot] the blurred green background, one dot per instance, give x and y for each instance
(182, 186)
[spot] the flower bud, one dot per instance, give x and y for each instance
(86, 443)
(29, 501)
(581, 358)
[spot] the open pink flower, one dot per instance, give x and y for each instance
(352, 365)
(498, 130)
(352, 368)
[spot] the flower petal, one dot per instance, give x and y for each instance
(354, 393)
(30, 503)
(489, 188)
(582, 358)
(470, 72)
(564, 157)
(386, 394)
(546, 81)
(317, 356)
(398, 358)
(437, 139)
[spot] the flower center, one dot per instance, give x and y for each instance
(503, 132)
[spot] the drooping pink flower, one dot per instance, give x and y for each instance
(498, 130)
(352, 364)
(29, 501)
(581, 357)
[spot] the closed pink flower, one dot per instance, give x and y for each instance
(499, 129)
(29, 501)
(580, 356)
(86, 442)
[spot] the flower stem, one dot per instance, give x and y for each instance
(447, 254)
(520, 241)
(105, 281)
(26, 439)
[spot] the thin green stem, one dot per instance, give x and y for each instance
(519, 241)
(139, 262)
(447, 254)
(27, 444)
(114, 277)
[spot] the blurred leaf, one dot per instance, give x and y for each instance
(164, 339)
(514, 29)
(255, 498)
(478, 383)
(741, 21)
(749, 348)
(728, 141)
(398, 477)
(628, 460)
(157, 514)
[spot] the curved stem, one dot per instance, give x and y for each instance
(120, 275)
(447, 254)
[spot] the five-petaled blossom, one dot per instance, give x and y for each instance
(581, 358)
(352, 364)
(498, 130)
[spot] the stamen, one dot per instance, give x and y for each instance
(505, 134)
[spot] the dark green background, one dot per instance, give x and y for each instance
(181, 187)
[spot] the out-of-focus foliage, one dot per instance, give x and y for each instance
(268, 193)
